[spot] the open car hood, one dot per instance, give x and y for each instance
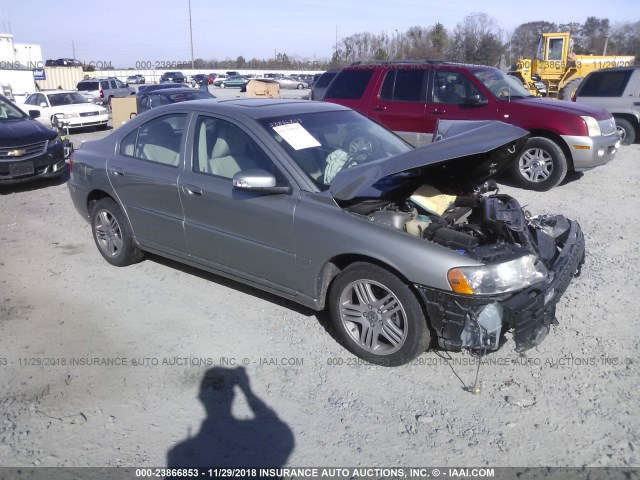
(464, 154)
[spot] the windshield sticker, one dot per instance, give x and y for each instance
(296, 136)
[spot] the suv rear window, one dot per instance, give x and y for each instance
(86, 86)
(605, 84)
(349, 84)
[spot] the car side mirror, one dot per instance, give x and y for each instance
(43, 105)
(475, 100)
(257, 180)
(34, 113)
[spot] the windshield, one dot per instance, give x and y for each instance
(69, 98)
(325, 143)
(501, 85)
(8, 111)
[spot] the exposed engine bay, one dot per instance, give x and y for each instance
(483, 227)
(491, 228)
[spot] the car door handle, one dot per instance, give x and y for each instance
(117, 171)
(438, 112)
(379, 108)
(191, 190)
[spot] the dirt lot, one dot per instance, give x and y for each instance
(103, 366)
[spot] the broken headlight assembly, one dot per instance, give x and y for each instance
(498, 278)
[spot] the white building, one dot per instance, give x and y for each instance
(17, 62)
(18, 56)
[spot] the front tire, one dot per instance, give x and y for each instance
(377, 316)
(541, 166)
(626, 131)
(112, 234)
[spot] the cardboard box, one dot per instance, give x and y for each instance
(123, 109)
(263, 88)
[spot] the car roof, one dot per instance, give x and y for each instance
(258, 108)
(47, 92)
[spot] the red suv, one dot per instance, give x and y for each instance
(409, 98)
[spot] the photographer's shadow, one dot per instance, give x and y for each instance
(225, 441)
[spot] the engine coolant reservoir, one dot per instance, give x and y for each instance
(417, 225)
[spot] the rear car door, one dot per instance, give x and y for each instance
(447, 95)
(401, 103)
(248, 234)
(144, 174)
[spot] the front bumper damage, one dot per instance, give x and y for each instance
(477, 322)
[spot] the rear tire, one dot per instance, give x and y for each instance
(626, 131)
(568, 92)
(377, 316)
(541, 165)
(112, 234)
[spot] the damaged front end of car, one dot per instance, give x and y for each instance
(513, 268)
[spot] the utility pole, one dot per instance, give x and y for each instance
(73, 47)
(191, 36)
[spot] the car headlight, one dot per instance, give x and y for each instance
(71, 115)
(499, 278)
(592, 126)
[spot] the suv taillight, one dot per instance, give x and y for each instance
(101, 93)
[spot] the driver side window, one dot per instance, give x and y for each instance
(223, 149)
(452, 87)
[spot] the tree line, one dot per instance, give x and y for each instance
(476, 39)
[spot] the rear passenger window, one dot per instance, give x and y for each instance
(349, 84)
(158, 141)
(605, 84)
(404, 86)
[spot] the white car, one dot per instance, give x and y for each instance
(70, 108)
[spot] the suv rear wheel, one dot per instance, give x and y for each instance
(541, 165)
(377, 316)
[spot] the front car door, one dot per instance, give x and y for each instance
(144, 174)
(448, 92)
(246, 234)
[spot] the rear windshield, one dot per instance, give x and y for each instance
(325, 79)
(605, 84)
(349, 84)
(86, 86)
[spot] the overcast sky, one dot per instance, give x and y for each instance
(125, 32)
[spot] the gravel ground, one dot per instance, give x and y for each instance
(105, 366)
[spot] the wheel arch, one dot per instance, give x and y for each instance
(94, 197)
(558, 140)
(332, 268)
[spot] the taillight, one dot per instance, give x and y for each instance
(101, 94)
(70, 164)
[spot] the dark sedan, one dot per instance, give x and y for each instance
(166, 96)
(316, 203)
(175, 77)
(146, 89)
(236, 81)
(28, 149)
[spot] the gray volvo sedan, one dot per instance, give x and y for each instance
(316, 203)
